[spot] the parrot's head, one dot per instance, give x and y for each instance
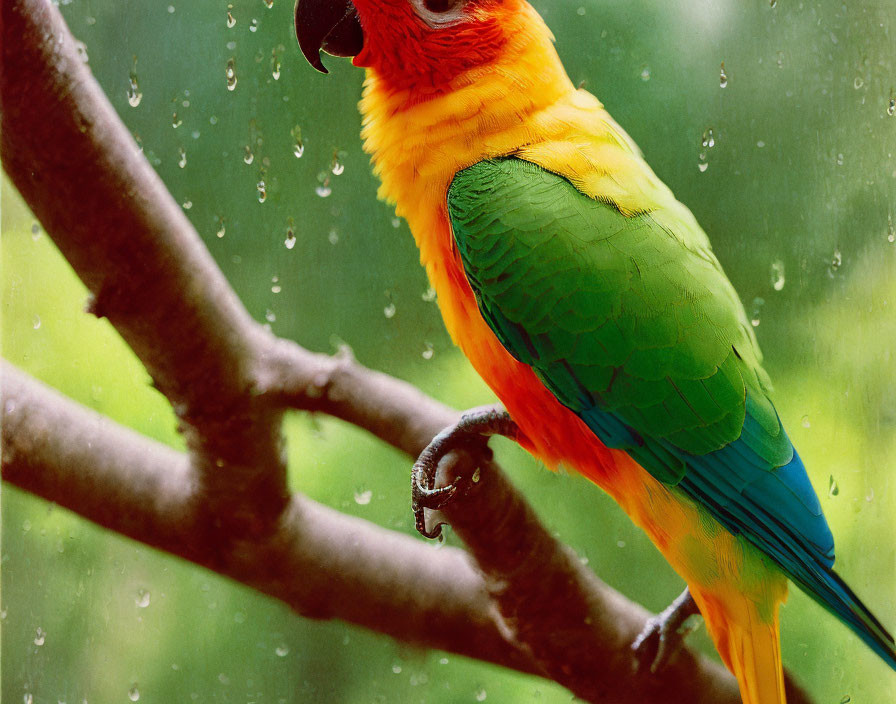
(412, 43)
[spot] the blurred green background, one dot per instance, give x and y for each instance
(797, 193)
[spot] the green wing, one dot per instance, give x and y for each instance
(631, 323)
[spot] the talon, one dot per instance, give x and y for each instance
(663, 635)
(471, 432)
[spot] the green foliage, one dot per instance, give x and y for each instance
(809, 83)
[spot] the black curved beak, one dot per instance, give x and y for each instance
(329, 25)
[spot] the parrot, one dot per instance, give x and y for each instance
(590, 301)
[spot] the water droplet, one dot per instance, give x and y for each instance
(248, 156)
(262, 191)
(230, 73)
(723, 77)
(443, 661)
(171, 9)
(481, 695)
(757, 311)
(40, 637)
(396, 223)
(142, 598)
(134, 693)
(275, 65)
(836, 263)
(840, 160)
(773, 3)
(891, 230)
(337, 167)
(28, 698)
(846, 699)
(134, 94)
(231, 20)
(253, 25)
(35, 323)
(290, 240)
(645, 73)
(282, 650)
(780, 59)
(760, 144)
(429, 295)
(427, 352)
(389, 310)
(805, 421)
(35, 231)
(298, 147)
(362, 498)
(858, 82)
(81, 48)
(477, 475)
(222, 230)
(182, 162)
(396, 669)
(323, 188)
(333, 237)
(176, 121)
(268, 3)
(778, 275)
(703, 166)
(270, 316)
(709, 139)
(187, 204)
(275, 284)
(891, 107)
(833, 487)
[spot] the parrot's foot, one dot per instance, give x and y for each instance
(470, 432)
(664, 633)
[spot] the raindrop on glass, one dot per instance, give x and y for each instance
(389, 310)
(142, 598)
(323, 188)
(298, 147)
(231, 20)
(134, 94)
(134, 693)
(362, 498)
(836, 263)
(723, 77)
(230, 73)
(182, 161)
(833, 487)
(755, 317)
(778, 275)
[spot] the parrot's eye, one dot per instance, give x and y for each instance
(440, 13)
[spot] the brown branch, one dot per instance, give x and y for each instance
(320, 562)
(225, 505)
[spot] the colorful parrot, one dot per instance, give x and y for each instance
(589, 299)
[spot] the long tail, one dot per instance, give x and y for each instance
(747, 641)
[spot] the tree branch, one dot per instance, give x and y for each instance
(225, 505)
